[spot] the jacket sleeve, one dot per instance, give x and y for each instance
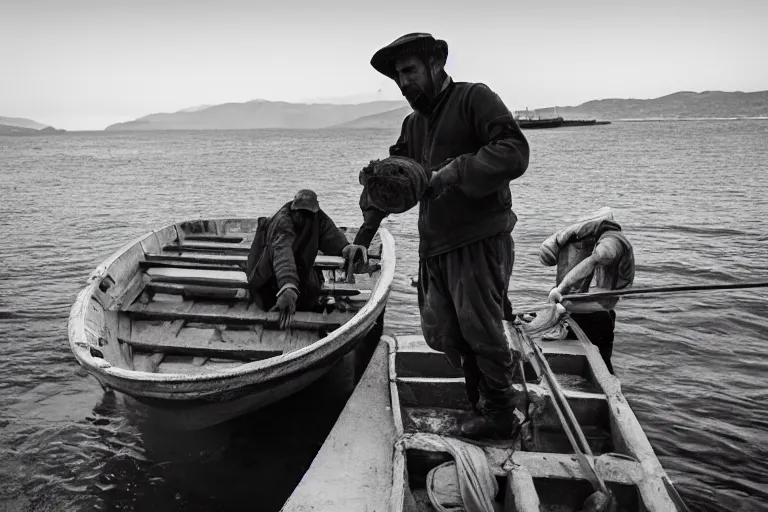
(505, 151)
(372, 216)
(283, 261)
(400, 148)
(332, 240)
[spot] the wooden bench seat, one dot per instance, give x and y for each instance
(374, 252)
(203, 246)
(251, 343)
(238, 314)
(226, 239)
(224, 279)
(194, 291)
(196, 260)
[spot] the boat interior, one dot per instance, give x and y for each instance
(176, 301)
(537, 471)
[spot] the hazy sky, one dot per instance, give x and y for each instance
(84, 64)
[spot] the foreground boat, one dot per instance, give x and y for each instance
(166, 321)
(400, 425)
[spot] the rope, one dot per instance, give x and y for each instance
(662, 289)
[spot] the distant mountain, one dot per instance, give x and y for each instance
(19, 130)
(389, 119)
(683, 104)
(194, 109)
(258, 114)
(21, 122)
(16, 130)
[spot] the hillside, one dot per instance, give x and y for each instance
(16, 130)
(258, 114)
(21, 122)
(678, 105)
(389, 119)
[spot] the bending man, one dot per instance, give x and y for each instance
(280, 268)
(591, 249)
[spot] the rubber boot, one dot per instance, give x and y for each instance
(502, 424)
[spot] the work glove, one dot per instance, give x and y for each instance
(286, 304)
(443, 179)
(349, 253)
(555, 296)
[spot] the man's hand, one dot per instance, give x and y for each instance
(349, 253)
(555, 296)
(443, 179)
(286, 304)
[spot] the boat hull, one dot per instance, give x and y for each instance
(205, 397)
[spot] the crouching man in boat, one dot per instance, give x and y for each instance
(591, 249)
(280, 267)
(469, 142)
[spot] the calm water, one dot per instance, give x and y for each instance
(691, 196)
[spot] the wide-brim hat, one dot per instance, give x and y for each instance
(305, 200)
(409, 44)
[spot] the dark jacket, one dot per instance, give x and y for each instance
(287, 252)
(472, 125)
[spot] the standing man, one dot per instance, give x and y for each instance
(592, 248)
(467, 139)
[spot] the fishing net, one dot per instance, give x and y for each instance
(394, 184)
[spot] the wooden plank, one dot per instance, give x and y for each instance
(207, 313)
(147, 362)
(213, 247)
(352, 471)
(521, 493)
(321, 261)
(195, 257)
(227, 239)
(153, 336)
(220, 278)
(227, 279)
(450, 393)
(232, 249)
(566, 467)
(192, 292)
(175, 365)
(416, 359)
(166, 263)
(299, 339)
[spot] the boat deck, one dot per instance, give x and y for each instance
(536, 472)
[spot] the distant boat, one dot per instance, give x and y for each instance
(530, 119)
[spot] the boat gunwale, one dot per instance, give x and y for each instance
(185, 386)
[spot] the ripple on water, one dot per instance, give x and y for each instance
(692, 366)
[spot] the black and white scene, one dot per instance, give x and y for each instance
(389, 257)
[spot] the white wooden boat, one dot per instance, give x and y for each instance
(166, 320)
(391, 435)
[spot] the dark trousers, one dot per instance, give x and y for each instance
(598, 327)
(310, 284)
(462, 299)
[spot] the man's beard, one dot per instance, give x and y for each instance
(420, 99)
(419, 102)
